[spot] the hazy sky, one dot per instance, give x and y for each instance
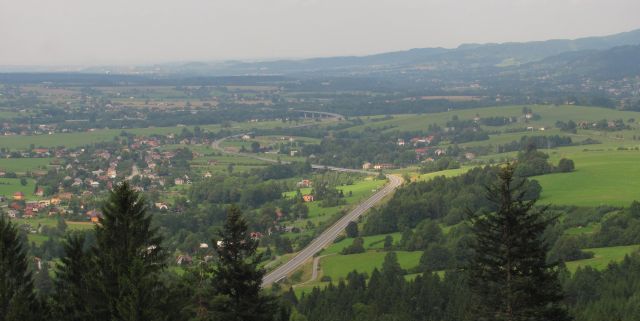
(74, 32)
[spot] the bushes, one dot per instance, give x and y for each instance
(565, 166)
(356, 247)
(568, 249)
(440, 165)
(352, 229)
(436, 258)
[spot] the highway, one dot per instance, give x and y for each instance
(327, 237)
(330, 234)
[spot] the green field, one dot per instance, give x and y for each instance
(8, 186)
(8, 115)
(548, 116)
(101, 135)
(21, 165)
(338, 266)
(603, 256)
(50, 222)
(360, 190)
(445, 173)
(601, 177)
(604, 174)
(372, 242)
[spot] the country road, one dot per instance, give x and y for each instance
(329, 235)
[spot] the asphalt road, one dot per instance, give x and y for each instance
(329, 235)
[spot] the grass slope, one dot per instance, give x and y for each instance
(601, 177)
(603, 256)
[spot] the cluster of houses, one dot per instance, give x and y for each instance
(304, 184)
(11, 129)
(377, 166)
(416, 141)
(20, 207)
(88, 171)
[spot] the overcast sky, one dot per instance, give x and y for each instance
(98, 32)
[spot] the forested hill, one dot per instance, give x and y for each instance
(614, 63)
(464, 56)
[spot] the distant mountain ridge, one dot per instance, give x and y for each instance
(464, 56)
(604, 56)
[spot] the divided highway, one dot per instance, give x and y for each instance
(329, 235)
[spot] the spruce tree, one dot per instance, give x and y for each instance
(508, 272)
(127, 260)
(17, 297)
(72, 297)
(237, 278)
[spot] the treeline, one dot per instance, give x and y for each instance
(123, 276)
(610, 294)
(538, 141)
(351, 150)
(505, 277)
(532, 162)
(386, 295)
(440, 198)
(253, 188)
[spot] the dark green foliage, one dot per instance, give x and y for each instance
(283, 244)
(427, 232)
(388, 242)
(72, 297)
(42, 281)
(351, 150)
(569, 126)
(127, 259)
(617, 229)
(327, 193)
(439, 165)
(255, 147)
(508, 272)
(538, 141)
(249, 190)
(352, 229)
(236, 276)
(300, 210)
(565, 166)
(634, 209)
(356, 247)
(611, 294)
(17, 297)
(568, 249)
(434, 199)
(436, 258)
(532, 162)
(388, 296)
(279, 171)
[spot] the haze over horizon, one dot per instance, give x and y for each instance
(80, 32)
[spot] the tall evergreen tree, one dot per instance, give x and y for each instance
(127, 259)
(72, 297)
(237, 278)
(17, 297)
(508, 272)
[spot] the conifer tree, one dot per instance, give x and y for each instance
(127, 259)
(237, 278)
(508, 272)
(72, 297)
(17, 297)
